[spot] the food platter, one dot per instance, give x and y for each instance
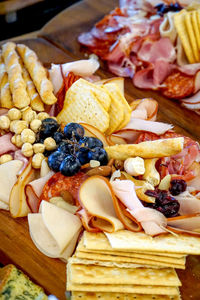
(58, 49)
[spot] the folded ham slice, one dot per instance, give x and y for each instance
(96, 197)
(81, 67)
(152, 221)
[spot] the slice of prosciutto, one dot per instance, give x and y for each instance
(152, 221)
(149, 126)
(81, 67)
(6, 144)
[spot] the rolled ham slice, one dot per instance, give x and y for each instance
(34, 189)
(152, 221)
(96, 197)
(81, 67)
(6, 145)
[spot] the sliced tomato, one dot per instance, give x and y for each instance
(68, 80)
(178, 85)
(58, 183)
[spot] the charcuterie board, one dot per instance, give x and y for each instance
(57, 43)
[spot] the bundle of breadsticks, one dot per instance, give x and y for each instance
(23, 79)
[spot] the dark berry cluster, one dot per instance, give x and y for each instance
(164, 203)
(163, 8)
(177, 187)
(73, 148)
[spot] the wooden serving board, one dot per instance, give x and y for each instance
(63, 31)
(58, 45)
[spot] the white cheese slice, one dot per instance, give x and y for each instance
(8, 175)
(54, 231)
(61, 224)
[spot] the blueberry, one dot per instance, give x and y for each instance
(47, 153)
(98, 154)
(58, 137)
(159, 6)
(177, 7)
(82, 155)
(65, 147)
(55, 160)
(74, 130)
(70, 166)
(91, 142)
(48, 127)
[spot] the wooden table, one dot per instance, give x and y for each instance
(57, 43)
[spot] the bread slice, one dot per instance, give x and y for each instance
(14, 284)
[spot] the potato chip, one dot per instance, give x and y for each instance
(83, 106)
(149, 149)
(116, 113)
(191, 34)
(121, 296)
(116, 93)
(119, 81)
(91, 274)
(179, 21)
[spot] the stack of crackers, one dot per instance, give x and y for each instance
(128, 265)
(101, 105)
(23, 79)
(187, 24)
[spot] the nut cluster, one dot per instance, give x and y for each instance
(25, 124)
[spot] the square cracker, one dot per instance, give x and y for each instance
(179, 22)
(125, 240)
(119, 288)
(117, 296)
(100, 93)
(124, 259)
(84, 107)
(92, 274)
(192, 36)
(181, 243)
(161, 257)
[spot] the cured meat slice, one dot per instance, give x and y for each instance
(178, 85)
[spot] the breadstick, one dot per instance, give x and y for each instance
(14, 70)
(36, 101)
(38, 74)
(5, 94)
(6, 97)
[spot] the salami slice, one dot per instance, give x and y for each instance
(178, 85)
